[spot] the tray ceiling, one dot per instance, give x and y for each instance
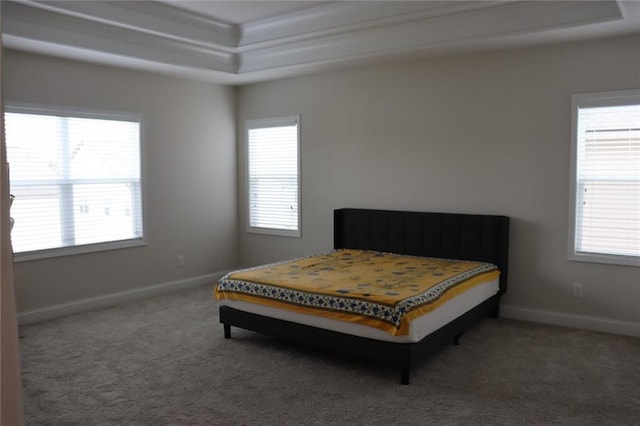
(244, 42)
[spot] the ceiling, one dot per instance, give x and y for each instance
(241, 11)
(240, 42)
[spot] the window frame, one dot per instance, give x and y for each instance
(582, 100)
(91, 113)
(265, 123)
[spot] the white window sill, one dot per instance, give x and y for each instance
(75, 250)
(606, 259)
(274, 232)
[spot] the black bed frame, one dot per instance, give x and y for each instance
(447, 235)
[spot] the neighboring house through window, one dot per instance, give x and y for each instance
(77, 179)
(273, 147)
(605, 185)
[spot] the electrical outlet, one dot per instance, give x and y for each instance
(181, 260)
(577, 290)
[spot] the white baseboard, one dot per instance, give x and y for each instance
(586, 322)
(83, 305)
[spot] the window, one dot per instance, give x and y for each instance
(76, 178)
(605, 169)
(273, 176)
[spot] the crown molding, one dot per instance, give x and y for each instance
(151, 17)
(156, 36)
(34, 25)
(497, 20)
(345, 17)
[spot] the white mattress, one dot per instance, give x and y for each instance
(418, 329)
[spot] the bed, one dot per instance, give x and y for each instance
(478, 243)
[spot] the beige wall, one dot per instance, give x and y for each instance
(476, 133)
(190, 177)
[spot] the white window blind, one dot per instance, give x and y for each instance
(76, 178)
(607, 178)
(273, 181)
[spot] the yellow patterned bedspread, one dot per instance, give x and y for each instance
(381, 290)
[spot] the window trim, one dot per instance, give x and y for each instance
(596, 99)
(263, 123)
(82, 112)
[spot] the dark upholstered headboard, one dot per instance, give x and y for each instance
(446, 235)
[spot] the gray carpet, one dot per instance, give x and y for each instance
(164, 361)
